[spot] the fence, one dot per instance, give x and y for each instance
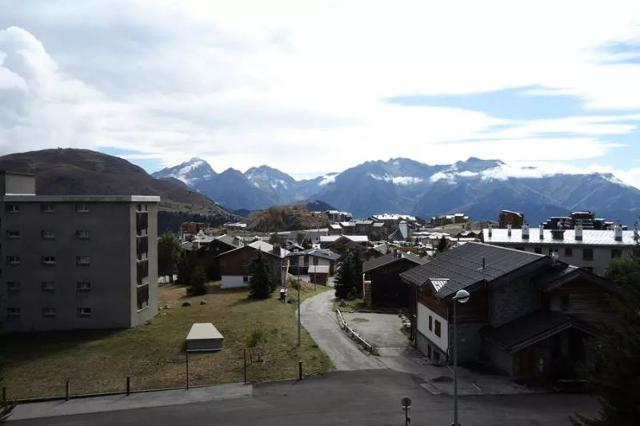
(354, 334)
(253, 368)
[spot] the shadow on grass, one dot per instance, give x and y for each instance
(20, 348)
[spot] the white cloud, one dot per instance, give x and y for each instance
(300, 86)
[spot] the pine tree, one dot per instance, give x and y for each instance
(197, 285)
(185, 268)
(616, 377)
(443, 245)
(261, 283)
(356, 267)
(168, 255)
(344, 277)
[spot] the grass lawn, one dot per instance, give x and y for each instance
(38, 364)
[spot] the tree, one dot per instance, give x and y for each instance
(442, 244)
(169, 251)
(185, 266)
(197, 284)
(348, 280)
(261, 283)
(616, 375)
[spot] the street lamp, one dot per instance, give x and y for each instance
(461, 296)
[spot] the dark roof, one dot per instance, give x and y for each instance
(228, 240)
(322, 253)
(532, 328)
(562, 273)
(390, 258)
(462, 266)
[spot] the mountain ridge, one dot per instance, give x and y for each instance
(479, 187)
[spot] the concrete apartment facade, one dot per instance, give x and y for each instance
(75, 262)
(590, 249)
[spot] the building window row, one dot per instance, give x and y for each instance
(81, 234)
(50, 260)
(16, 286)
(46, 208)
(49, 312)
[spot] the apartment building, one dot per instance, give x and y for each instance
(75, 262)
(591, 249)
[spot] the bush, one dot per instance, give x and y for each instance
(257, 336)
(198, 281)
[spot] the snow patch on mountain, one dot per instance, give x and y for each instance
(397, 180)
(327, 179)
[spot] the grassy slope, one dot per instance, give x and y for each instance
(37, 365)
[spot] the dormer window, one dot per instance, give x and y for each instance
(47, 208)
(82, 208)
(12, 208)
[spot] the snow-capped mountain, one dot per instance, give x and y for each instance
(190, 172)
(480, 188)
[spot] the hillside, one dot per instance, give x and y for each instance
(288, 218)
(85, 172)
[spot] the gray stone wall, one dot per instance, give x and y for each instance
(511, 300)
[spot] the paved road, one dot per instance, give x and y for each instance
(320, 321)
(369, 397)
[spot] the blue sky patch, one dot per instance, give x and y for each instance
(149, 164)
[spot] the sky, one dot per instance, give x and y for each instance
(319, 86)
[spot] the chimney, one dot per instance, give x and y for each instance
(490, 230)
(617, 233)
(578, 232)
(541, 228)
(484, 263)
(525, 232)
(509, 230)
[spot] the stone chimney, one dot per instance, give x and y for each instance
(525, 232)
(578, 231)
(541, 228)
(490, 230)
(509, 230)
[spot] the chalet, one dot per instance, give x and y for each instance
(235, 264)
(341, 244)
(529, 315)
(301, 261)
(508, 217)
(382, 285)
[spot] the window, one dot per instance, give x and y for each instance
(48, 260)
(245, 279)
(82, 208)
(552, 251)
(48, 235)
(13, 235)
(437, 330)
(47, 208)
(13, 260)
(142, 296)
(538, 250)
(142, 272)
(587, 254)
(83, 286)
(13, 286)
(83, 260)
(430, 323)
(615, 253)
(565, 302)
(83, 234)
(12, 208)
(568, 252)
(49, 312)
(48, 286)
(84, 312)
(13, 312)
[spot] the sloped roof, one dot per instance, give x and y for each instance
(322, 253)
(227, 239)
(390, 258)
(462, 266)
(530, 329)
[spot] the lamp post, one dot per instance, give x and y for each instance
(461, 296)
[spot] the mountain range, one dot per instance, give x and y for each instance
(477, 187)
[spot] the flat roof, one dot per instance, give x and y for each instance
(590, 237)
(26, 198)
(203, 331)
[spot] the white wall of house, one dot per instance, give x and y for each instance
(233, 281)
(441, 341)
(321, 261)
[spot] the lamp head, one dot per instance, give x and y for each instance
(462, 296)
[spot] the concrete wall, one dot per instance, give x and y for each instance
(441, 341)
(113, 289)
(469, 341)
(233, 281)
